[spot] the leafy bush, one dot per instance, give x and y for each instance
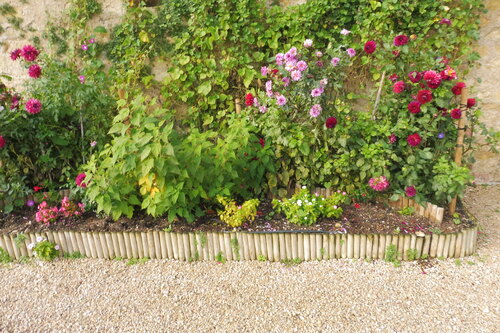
(44, 249)
(305, 208)
(4, 256)
(150, 165)
(234, 215)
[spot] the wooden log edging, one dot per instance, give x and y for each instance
(271, 246)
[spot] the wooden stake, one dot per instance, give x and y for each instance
(459, 149)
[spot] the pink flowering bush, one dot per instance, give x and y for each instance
(47, 214)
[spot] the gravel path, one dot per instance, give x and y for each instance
(328, 296)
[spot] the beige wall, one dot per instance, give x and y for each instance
(37, 13)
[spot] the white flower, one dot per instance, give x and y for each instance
(308, 43)
(304, 187)
(299, 202)
(57, 247)
(39, 239)
(31, 245)
(335, 207)
(345, 32)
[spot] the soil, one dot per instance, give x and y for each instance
(368, 218)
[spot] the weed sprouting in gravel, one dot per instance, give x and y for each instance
(19, 239)
(135, 261)
(291, 262)
(261, 257)
(458, 262)
(4, 256)
(73, 255)
(391, 255)
(236, 248)
(220, 258)
(412, 254)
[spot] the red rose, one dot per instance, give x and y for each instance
(433, 85)
(410, 191)
(2, 142)
(249, 99)
(370, 47)
(415, 76)
(414, 139)
(424, 96)
(398, 87)
(414, 107)
(331, 122)
(471, 102)
(457, 88)
(393, 77)
(456, 113)
(400, 40)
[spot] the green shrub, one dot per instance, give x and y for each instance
(305, 208)
(234, 215)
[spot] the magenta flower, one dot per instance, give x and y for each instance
(29, 53)
(379, 183)
(14, 55)
(263, 109)
(286, 81)
(410, 191)
(91, 40)
(393, 138)
(263, 71)
(398, 87)
(370, 47)
(316, 92)
(93, 143)
(280, 57)
(33, 106)
(30, 203)
(400, 40)
(34, 71)
(414, 107)
(79, 180)
(415, 76)
(85, 47)
(331, 122)
(351, 52)
(445, 21)
(335, 61)
(82, 79)
(2, 142)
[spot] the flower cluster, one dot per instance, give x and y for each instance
(379, 183)
(47, 214)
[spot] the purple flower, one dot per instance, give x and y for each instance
(345, 32)
(445, 21)
(286, 81)
(335, 61)
(263, 71)
(351, 52)
(315, 110)
(281, 100)
(85, 47)
(296, 75)
(441, 135)
(30, 203)
(301, 65)
(91, 40)
(316, 92)
(57, 247)
(82, 79)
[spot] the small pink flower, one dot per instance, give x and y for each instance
(79, 180)
(91, 40)
(301, 66)
(315, 110)
(85, 47)
(14, 55)
(308, 43)
(345, 32)
(398, 87)
(445, 21)
(351, 52)
(281, 100)
(316, 92)
(296, 75)
(410, 191)
(263, 109)
(286, 81)
(2, 142)
(400, 40)
(263, 71)
(81, 78)
(319, 54)
(34, 71)
(335, 61)
(280, 57)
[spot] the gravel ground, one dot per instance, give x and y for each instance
(328, 296)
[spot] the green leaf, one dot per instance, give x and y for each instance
(100, 29)
(205, 88)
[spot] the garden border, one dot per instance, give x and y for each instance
(272, 246)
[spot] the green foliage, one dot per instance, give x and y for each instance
(305, 208)
(412, 254)
(235, 246)
(436, 230)
(4, 256)
(45, 250)
(449, 179)
(73, 255)
(456, 218)
(291, 262)
(234, 215)
(219, 257)
(407, 211)
(135, 261)
(391, 255)
(152, 166)
(261, 257)
(19, 239)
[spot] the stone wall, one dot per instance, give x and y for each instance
(35, 15)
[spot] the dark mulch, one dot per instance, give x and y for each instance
(369, 218)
